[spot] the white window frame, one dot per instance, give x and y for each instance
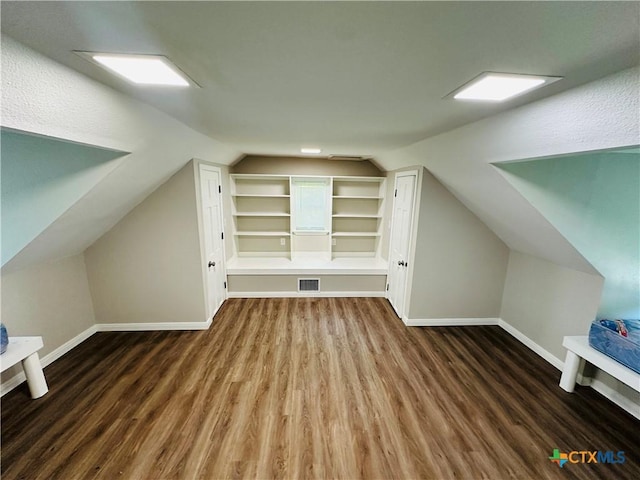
(326, 181)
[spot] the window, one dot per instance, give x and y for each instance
(311, 205)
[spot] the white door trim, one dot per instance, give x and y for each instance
(200, 166)
(417, 173)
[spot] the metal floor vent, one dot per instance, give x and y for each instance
(308, 284)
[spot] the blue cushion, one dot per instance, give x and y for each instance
(4, 339)
(619, 339)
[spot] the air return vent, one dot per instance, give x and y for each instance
(308, 284)
(352, 158)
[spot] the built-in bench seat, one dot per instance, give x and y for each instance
(577, 348)
(306, 265)
(280, 277)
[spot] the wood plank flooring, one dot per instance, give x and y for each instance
(309, 388)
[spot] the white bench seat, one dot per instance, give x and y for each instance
(577, 348)
(25, 350)
(306, 265)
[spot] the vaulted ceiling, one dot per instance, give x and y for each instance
(363, 78)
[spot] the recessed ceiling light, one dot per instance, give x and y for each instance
(497, 87)
(313, 151)
(140, 69)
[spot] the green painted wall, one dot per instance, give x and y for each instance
(594, 201)
(40, 179)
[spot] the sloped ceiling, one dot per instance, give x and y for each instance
(43, 97)
(351, 77)
(593, 200)
(41, 178)
(604, 114)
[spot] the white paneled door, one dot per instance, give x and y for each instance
(212, 223)
(400, 243)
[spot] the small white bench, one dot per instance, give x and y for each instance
(25, 350)
(577, 348)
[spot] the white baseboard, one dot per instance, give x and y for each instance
(49, 358)
(449, 322)
(616, 397)
(147, 327)
(600, 387)
(548, 356)
(302, 294)
(67, 346)
(608, 392)
(468, 322)
(12, 383)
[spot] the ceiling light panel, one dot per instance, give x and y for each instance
(497, 87)
(310, 150)
(140, 69)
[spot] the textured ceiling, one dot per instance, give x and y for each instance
(359, 78)
(351, 77)
(42, 97)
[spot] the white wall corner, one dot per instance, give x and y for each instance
(548, 356)
(68, 346)
(464, 322)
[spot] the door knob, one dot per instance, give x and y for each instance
(212, 264)
(401, 263)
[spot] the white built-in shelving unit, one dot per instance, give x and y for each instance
(261, 210)
(262, 206)
(357, 207)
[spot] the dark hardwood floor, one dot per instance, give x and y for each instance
(318, 388)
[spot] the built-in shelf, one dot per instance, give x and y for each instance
(355, 234)
(262, 214)
(356, 197)
(356, 217)
(261, 234)
(260, 195)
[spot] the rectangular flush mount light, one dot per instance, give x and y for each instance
(497, 87)
(140, 69)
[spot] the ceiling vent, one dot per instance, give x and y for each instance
(351, 158)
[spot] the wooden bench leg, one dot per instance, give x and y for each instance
(570, 371)
(35, 377)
